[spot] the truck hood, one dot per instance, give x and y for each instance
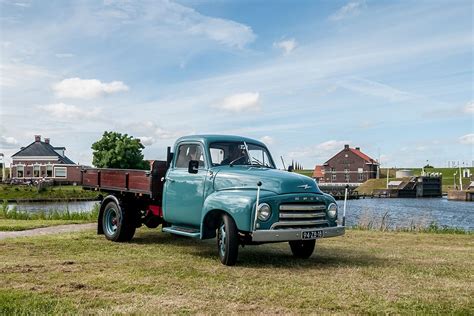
(277, 181)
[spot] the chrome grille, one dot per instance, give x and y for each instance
(301, 216)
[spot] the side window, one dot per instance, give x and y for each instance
(188, 152)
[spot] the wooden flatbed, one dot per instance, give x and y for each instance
(143, 183)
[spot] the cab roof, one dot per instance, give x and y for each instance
(207, 139)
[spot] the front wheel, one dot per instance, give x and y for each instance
(227, 241)
(118, 223)
(302, 248)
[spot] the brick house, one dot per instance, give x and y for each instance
(41, 160)
(350, 165)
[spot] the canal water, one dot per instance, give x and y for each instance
(395, 213)
(405, 213)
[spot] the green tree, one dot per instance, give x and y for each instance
(115, 150)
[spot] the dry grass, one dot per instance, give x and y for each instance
(361, 272)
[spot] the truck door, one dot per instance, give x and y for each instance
(184, 191)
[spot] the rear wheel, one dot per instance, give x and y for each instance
(302, 248)
(227, 241)
(118, 223)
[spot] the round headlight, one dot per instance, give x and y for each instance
(264, 212)
(332, 210)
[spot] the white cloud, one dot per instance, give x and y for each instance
(17, 74)
(376, 89)
(175, 19)
(353, 8)
(86, 88)
(469, 108)
(320, 152)
(8, 142)
(64, 55)
(467, 139)
(146, 140)
(286, 45)
(240, 102)
(67, 111)
(267, 140)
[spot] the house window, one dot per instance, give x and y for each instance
(334, 177)
(36, 171)
(60, 172)
(20, 171)
(360, 170)
(361, 177)
(347, 177)
(333, 169)
(49, 171)
(346, 170)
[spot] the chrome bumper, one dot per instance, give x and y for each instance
(293, 234)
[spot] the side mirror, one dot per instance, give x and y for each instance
(193, 166)
(290, 168)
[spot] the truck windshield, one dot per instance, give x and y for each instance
(240, 153)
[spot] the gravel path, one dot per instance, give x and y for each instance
(47, 230)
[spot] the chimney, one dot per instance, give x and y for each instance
(346, 146)
(46, 140)
(37, 138)
(358, 148)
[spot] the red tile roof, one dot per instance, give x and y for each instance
(318, 172)
(362, 155)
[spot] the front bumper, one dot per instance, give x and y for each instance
(273, 235)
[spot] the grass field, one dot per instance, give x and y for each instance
(361, 272)
(20, 224)
(24, 192)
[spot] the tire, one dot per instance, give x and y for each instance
(302, 248)
(118, 223)
(227, 241)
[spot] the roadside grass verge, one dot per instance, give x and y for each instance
(20, 224)
(25, 192)
(156, 273)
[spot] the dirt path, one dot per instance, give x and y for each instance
(47, 230)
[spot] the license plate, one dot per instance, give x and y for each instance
(312, 234)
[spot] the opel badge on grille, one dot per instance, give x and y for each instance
(304, 186)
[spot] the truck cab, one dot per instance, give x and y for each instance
(216, 186)
(229, 187)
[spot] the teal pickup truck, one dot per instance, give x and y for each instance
(216, 186)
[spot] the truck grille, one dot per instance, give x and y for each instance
(301, 216)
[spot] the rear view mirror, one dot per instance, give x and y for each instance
(193, 166)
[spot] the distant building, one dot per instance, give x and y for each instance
(350, 165)
(41, 160)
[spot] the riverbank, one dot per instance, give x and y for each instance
(24, 193)
(361, 272)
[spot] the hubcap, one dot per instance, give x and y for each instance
(222, 240)
(111, 221)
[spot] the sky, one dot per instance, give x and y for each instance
(306, 77)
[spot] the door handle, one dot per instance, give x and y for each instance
(169, 180)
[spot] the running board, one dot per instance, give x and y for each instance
(183, 231)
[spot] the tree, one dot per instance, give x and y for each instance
(115, 150)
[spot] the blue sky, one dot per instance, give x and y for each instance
(392, 77)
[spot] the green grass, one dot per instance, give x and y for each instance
(361, 272)
(23, 192)
(20, 224)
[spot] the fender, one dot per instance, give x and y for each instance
(103, 203)
(239, 204)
